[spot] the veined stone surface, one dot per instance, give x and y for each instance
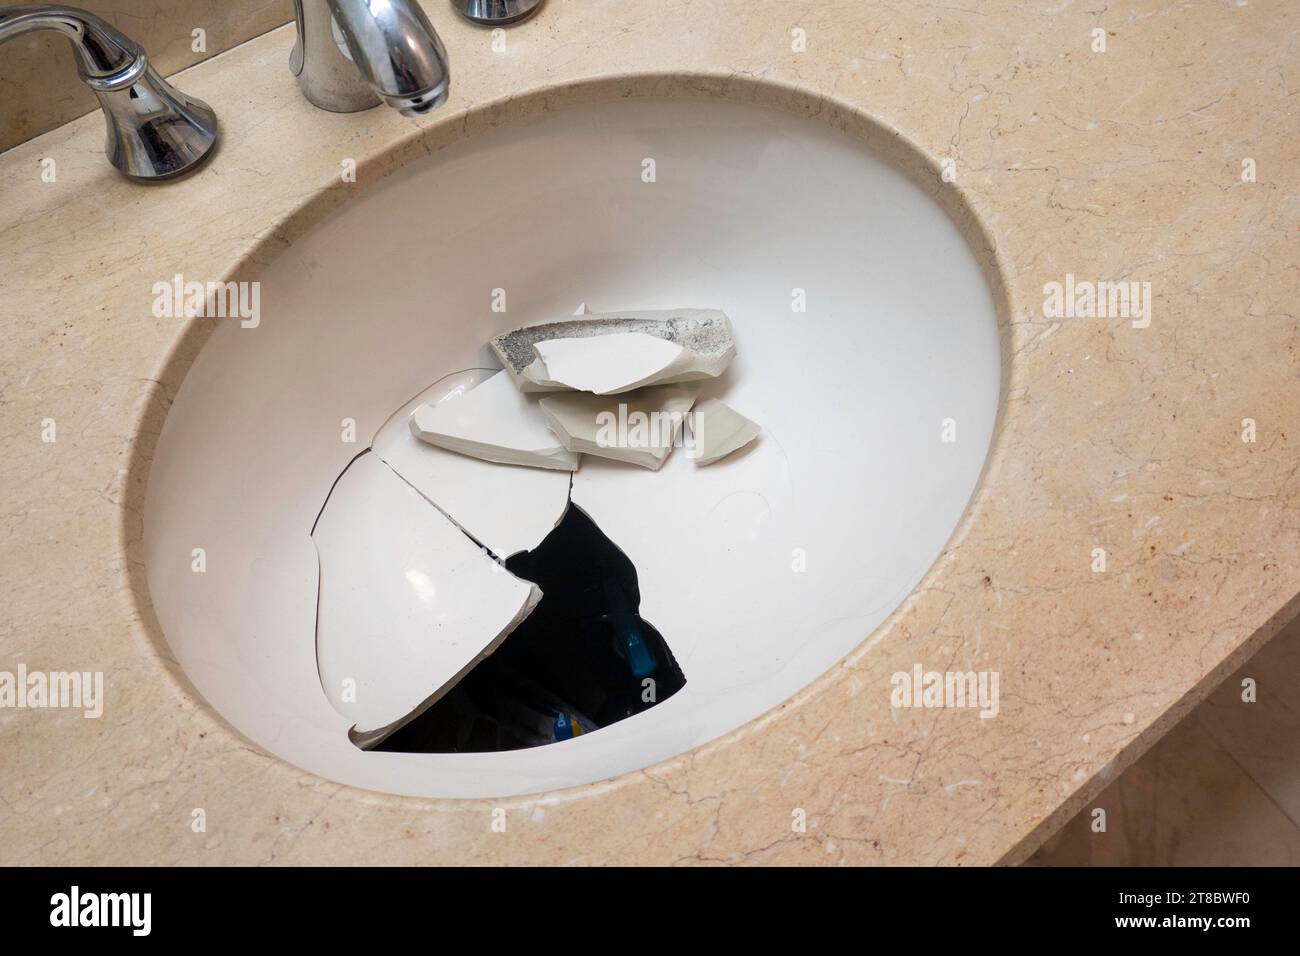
(1127, 439)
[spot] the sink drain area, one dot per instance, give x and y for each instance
(471, 607)
(582, 660)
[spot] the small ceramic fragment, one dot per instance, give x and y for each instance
(493, 421)
(703, 337)
(714, 430)
(407, 602)
(640, 427)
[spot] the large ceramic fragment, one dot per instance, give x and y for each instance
(714, 430)
(606, 364)
(506, 509)
(703, 339)
(640, 427)
(494, 422)
(408, 604)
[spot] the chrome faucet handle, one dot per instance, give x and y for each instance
(154, 131)
(353, 54)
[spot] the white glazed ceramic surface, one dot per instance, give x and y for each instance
(408, 603)
(641, 427)
(606, 364)
(507, 508)
(760, 571)
(493, 422)
(716, 430)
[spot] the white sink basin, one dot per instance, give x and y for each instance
(760, 572)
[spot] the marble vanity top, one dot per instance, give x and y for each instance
(1136, 536)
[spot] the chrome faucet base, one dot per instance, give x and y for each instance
(352, 55)
(333, 82)
(155, 132)
(496, 13)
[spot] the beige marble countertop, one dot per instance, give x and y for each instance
(1123, 164)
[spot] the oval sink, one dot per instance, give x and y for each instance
(867, 348)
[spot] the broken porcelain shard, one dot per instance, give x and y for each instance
(584, 659)
(494, 422)
(606, 364)
(640, 427)
(506, 509)
(408, 603)
(714, 430)
(703, 338)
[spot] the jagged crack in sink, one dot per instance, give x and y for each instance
(865, 336)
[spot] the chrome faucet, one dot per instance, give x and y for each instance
(491, 13)
(154, 130)
(353, 54)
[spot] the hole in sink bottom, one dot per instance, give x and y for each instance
(583, 658)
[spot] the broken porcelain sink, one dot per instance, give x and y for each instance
(865, 334)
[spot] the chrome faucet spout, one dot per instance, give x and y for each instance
(354, 54)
